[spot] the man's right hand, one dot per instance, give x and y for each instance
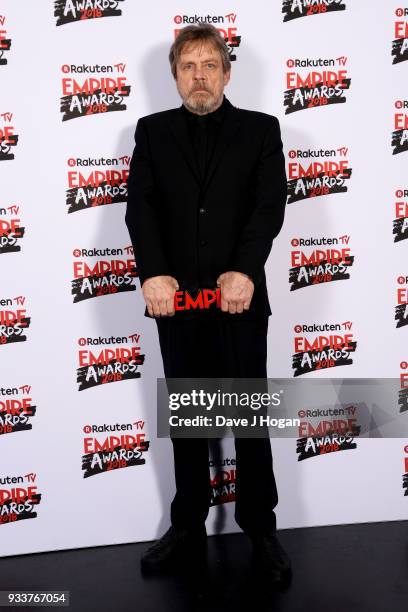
(158, 293)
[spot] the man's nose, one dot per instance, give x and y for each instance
(199, 74)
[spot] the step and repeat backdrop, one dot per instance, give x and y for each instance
(80, 463)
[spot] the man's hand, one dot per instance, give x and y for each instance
(236, 291)
(158, 293)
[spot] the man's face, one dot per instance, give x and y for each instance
(201, 78)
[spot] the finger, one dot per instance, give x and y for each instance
(224, 304)
(232, 308)
(170, 307)
(163, 308)
(150, 308)
(156, 308)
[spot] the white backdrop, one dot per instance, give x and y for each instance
(40, 347)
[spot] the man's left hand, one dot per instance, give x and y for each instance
(237, 290)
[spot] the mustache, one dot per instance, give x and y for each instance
(198, 87)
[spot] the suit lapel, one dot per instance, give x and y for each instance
(178, 127)
(228, 129)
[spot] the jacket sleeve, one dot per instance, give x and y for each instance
(141, 214)
(266, 218)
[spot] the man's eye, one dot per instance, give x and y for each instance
(211, 65)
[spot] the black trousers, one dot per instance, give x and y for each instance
(213, 347)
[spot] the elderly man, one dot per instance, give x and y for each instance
(207, 194)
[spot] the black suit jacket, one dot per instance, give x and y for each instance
(195, 230)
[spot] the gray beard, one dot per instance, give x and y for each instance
(201, 105)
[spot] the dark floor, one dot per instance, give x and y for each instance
(361, 568)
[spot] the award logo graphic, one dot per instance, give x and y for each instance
(70, 11)
(108, 365)
(83, 96)
(11, 230)
(312, 174)
(314, 265)
(322, 345)
(314, 82)
(107, 452)
(326, 430)
(19, 498)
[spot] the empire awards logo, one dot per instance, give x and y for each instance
(8, 137)
(107, 452)
(317, 172)
(69, 11)
(108, 365)
(308, 88)
(400, 42)
(16, 409)
(13, 320)
(18, 498)
(400, 223)
(222, 479)
(225, 24)
(313, 266)
(401, 309)
(5, 42)
(400, 133)
(315, 350)
(326, 430)
(89, 187)
(293, 9)
(112, 274)
(85, 96)
(11, 230)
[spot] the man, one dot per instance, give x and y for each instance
(207, 193)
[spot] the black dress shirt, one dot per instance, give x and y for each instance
(203, 131)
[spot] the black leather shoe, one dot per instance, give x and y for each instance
(176, 545)
(270, 559)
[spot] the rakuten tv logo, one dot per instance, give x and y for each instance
(90, 95)
(317, 351)
(11, 230)
(311, 266)
(103, 276)
(8, 137)
(312, 88)
(222, 480)
(310, 179)
(400, 133)
(108, 364)
(400, 223)
(18, 503)
(13, 320)
(228, 28)
(68, 11)
(400, 42)
(401, 310)
(113, 452)
(293, 9)
(403, 390)
(90, 188)
(326, 430)
(16, 409)
(5, 42)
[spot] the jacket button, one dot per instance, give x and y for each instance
(202, 210)
(203, 242)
